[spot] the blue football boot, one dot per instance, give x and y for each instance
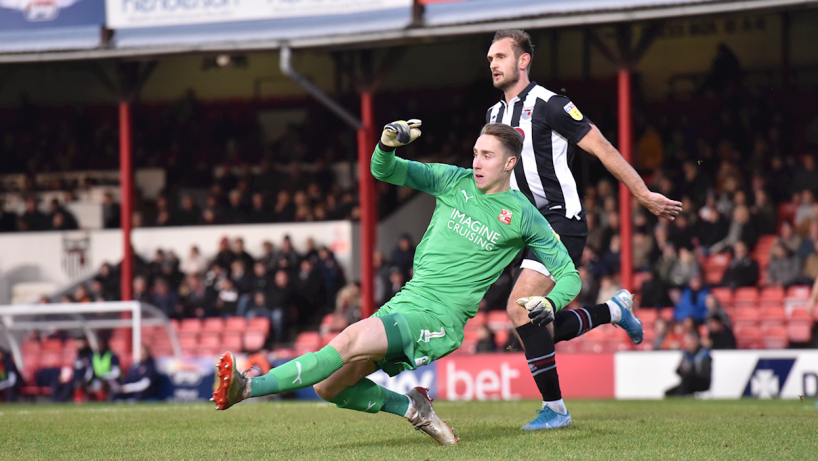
(629, 322)
(548, 419)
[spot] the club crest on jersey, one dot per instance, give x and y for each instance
(520, 130)
(573, 111)
(527, 111)
(505, 216)
(493, 118)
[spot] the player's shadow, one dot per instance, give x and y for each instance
(422, 440)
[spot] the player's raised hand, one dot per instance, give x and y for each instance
(400, 133)
(540, 310)
(662, 206)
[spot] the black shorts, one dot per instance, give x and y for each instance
(575, 244)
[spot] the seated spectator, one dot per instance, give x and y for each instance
(10, 379)
(282, 302)
(140, 290)
(742, 271)
(608, 286)
(681, 233)
(141, 382)
(59, 218)
(404, 255)
(286, 257)
(609, 262)
(665, 263)
(589, 288)
(485, 340)
(695, 369)
(673, 337)
(110, 212)
(166, 299)
(348, 303)
(194, 262)
(714, 308)
(719, 335)
(224, 257)
(259, 212)
(257, 306)
(97, 292)
(331, 273)
(740, 229)
(788, 238)
(784, 269)
(685, 268)
(8, 221)
(242, 280)
(240, 254)
(188, 214)
(195, 302)
(763, 213)
(310, 288)
(654, 293)
(396, 282)
(804, 213)
(711, 227)
(692, 301)
(808, 244)
(105, 365)
(81, 294)
(32, 219)
(284, 209)
(661, 327)
(235, 214)
(227, 299)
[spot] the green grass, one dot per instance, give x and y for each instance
(672, 429)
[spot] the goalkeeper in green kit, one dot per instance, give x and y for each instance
(478, 227)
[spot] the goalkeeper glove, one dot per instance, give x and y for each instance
(400, 133)
(540, 309)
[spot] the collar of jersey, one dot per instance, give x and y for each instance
(522, 94)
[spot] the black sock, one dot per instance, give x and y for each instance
(570, 323)
(539, 351)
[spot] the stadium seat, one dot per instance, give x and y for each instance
(799, 328)
(724, 296)
(501, 338)
(188, 342)
(307, 341)
(326, 324)
(210, 339)
(567, 347)
(638, 280)
(254, 340)
(174, 324)
(800, 292)
(479, 319)
(52, 345)
(231, 341)
(498, 320)
(745, 316)
(774, 337)
(666, 313)
(772, 316)
(771, 297)
(259, 324)
(647, 316)
(213, 324)
(748, 337)
(468, 347)
(235, 324)
(191, 325)
(714, 267)
(786, 211)
(471, 333)
(325, 339)
(745, 297)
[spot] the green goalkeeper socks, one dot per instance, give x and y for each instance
(298, 373)
(371, 398)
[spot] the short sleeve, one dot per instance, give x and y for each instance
(564, 117)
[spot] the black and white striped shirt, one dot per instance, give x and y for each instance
(551, 126)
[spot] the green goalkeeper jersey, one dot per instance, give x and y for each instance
(471, 238)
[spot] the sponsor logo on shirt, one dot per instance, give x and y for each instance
(505, 216)
(473, 230)
(573, 111)
(527, 111)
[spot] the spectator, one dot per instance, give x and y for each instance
(787, 238)
(396, 282)
(607, 288)
(695, 369)
(806, 176)
(673, 337)
(642, 247)
(10, 379)
(808, 244)
(235, 214)
(685, 268)
(692, 301)
(609, 262)
(83, 371)
(166, 299)
(784, 268)
(8, 221)
(188, 214)
(141, 382)
(260, 280)
(110, 281)
(810, 271)
(348, 303)
(282, 302)
(194, 262)
(81, 294)
(312, 250)
(257, 306)
(681, 233)
(485, 340)
(654, 293)
(140, 290)
(665, 263)
(194, 297)
(110, 212)
(67, 220)
(227, 300)
(240, 254)
(225, 256)
(105, 365)
(719, 335)
(725, 72)
(287, 257)
(310, 288)
(32, 219)
(763, 213)
(260, 213)
(711, 227)
(804, 214)
(661, 327)
(404, 255)
(284, 208)
(740, 229)
(242, 280)
(97, 291)
(741, 271)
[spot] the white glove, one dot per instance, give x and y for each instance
(540, 309)
(400, 133)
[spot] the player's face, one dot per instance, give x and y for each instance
(491, 166)
(504, 65)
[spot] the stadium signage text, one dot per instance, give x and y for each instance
(152, 13)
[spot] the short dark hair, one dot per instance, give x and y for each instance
(509, 137)
(520, 38)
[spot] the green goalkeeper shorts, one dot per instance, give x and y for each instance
(416, 336)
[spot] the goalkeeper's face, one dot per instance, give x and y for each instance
(492, 165)
(504, 64)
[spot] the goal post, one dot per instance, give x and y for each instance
(17, 320)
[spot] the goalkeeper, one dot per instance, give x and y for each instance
(478, 227)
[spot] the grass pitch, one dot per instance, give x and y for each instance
(672, 429)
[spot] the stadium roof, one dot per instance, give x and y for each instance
(361, 29)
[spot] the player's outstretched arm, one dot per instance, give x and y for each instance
(595, 143)
(430, 178)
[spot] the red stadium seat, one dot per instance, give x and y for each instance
(326, 323)
(307, 341)
(647, 316)
(254, 340)
(174, 324)
(501, 338)
(799, 292)
(745, 297)
(771, 297)
(231, 341)
(52, 345)
(666, 313)
(471, 333)
(214, 324)
(748, 337)
(325, 339)
(259, 324)
(235, 324)
(567, 347)
(210, 340)
(746, 316)
(799, 330)
(724, 296)
(772, 316)
(479, 318)
(774, 337)
(191, 325)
